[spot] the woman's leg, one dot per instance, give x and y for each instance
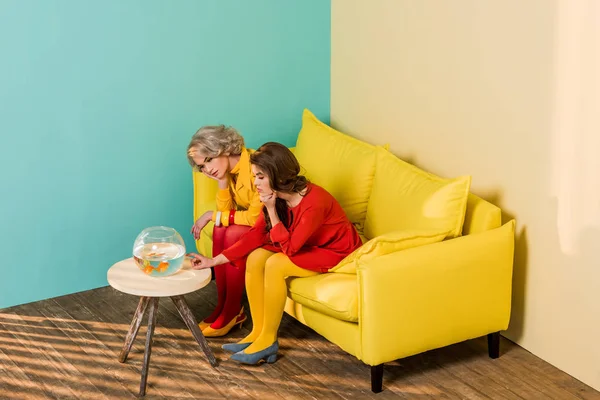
(278, 267)
(235, 279)
(255, 278)
(220, 277)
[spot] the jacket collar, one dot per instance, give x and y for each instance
(242, 169)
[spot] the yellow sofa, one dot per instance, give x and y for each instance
(436, 269)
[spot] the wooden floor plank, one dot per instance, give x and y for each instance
(422, 376)
(161, 381)
(257, 377)
(97, 345)
(524, 370)
(128, 374)
(456, 380)
(480, 372)
(268, 374)
(30, 355)
(189, 356)
(76, 372)
(16, 384)
(86, 347)
(314, 354)
(68, 347)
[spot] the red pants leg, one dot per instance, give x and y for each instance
(235, 278)
(220, 273)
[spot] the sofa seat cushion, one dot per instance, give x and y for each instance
(332, 294)
(341, 164)
(405, 197)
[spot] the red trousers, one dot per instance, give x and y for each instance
(230, 277)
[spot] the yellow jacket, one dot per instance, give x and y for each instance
(241, 196)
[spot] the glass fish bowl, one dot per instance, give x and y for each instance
(159, 251)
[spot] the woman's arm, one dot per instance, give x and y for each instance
(253, 239)
(201, 262)
(250, 216)
(224, 200)
(309, 222)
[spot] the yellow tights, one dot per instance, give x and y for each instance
(267, 291)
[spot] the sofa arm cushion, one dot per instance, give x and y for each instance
(388, 243)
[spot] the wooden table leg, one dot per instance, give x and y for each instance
(152, 313)
(134, 328)
(192, 324)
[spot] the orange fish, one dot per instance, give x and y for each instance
(163, 266)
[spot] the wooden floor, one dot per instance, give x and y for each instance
(67, 348)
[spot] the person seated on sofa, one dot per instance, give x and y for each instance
(219, 153)
(302, 231)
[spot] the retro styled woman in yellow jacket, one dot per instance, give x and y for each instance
(219, 153)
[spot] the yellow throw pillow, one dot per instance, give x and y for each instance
(385, 244)
(406, 198)
(341, 164)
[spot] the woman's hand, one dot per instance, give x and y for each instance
(200, 224)
(200, 262)
(268, 200)
(223, 183)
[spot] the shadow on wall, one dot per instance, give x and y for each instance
(520, 266)
(580, 260)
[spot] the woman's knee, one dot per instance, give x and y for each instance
(257, 259)
(233, 233)
(275, 266)
(218, 233)
(218, 239)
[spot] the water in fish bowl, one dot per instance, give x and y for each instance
(159, 251)
(159, 259)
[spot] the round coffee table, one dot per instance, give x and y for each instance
(126, 277)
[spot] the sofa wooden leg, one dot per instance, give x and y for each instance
(494, 344)
(376, 378)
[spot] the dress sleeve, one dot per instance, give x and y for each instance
(291, 242)
(253, 239)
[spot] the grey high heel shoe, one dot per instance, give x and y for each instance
(269, 355)
(235, 347)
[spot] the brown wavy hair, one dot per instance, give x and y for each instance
(281, 166)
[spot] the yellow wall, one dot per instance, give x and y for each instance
(509, 92)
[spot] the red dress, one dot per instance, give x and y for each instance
(319, 237)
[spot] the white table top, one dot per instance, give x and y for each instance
(126, 277)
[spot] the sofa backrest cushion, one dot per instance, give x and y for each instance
(405, 197)
(341, 164)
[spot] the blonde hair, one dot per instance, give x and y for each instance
(215, 141)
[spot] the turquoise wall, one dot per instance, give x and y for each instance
(98, 101)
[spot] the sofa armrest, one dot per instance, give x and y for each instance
(431, 296)
(205, 193)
